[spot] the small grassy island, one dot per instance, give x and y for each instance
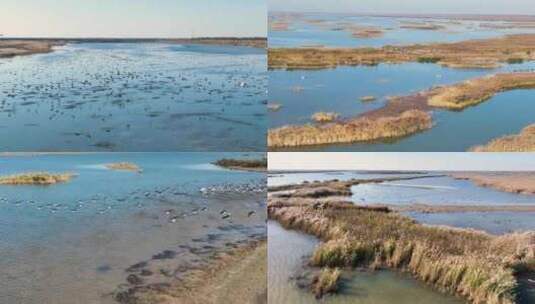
(36, 178)
(477, 266)
(243, 164)
(124, 166)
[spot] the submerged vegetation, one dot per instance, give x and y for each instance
(480, 267)
(124, 166)
(243, 164)
(36, 178)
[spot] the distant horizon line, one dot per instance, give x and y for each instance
(4, 37)
(401, 13)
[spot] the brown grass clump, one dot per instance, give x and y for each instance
(124, 166)
(523, 142)
(324, 117)
(475, 265)
(36, 178)
(356, 130)
(517, 182)
(474, 91)
(243, 164)
(326, 282)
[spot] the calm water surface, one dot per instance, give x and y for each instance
(134, 97)
(303, 93)
(305, 31)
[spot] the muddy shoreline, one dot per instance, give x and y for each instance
(11, 47)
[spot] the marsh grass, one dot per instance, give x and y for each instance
(472, 264)
(326, 282)
(124, 166)
(36, 178)
(522, 142)
(251, 164)
(356, 130)
(475, 91)
(324, 117)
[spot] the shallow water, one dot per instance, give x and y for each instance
(453, 130)
(134, 97)
(286, 250)
(277, 179)
(304, 31)
(71, 243)
(491, 222)
(435, 191)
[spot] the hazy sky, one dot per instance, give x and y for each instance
(402, 161)
(132, 18)
(409, 6)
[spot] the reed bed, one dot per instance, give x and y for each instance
(522, 142)
(356, 130)
(474, 265)
(36, 178)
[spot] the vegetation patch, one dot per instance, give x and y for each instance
(36, 178)
(480, 267)
(243, 164)
(326, 281)
(124, 166)
(355, 130)
(522, 142)
(324, 117)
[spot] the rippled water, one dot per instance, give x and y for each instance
(306, 31)
(491, 222)
(286, 250)
(303, 93)
(435, 191)
(134, 97)
(71, 243)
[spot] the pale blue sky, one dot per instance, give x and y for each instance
(402, 161)
(132, 18)
(408, 6)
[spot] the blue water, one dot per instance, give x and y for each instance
(491, 222)
(304, 31)
(134, 97)
(70, 243)
(338, 90)
(435, 191)
(278, 179)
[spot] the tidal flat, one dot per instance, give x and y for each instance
(115, 236)
(129, 95)
(360, 224)
(420, 93)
